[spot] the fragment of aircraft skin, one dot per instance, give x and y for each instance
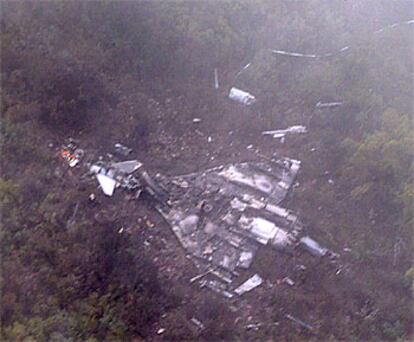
(241, 96)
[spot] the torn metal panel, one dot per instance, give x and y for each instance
(283, 132)
(249, 284)
(258, 228)
(128, 166)
(107, 184)
(111, 175)
(241, 96)
(313, 247)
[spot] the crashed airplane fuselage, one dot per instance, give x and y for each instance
(220, 216)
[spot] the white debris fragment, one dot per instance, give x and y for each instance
(245, 260)
(244, 68)
(113, 175)
(241, 96)
(199, 276)
(328, 104)
(288, 281)
(216, 82)
(74, 162)
(195, 120)
(107, 184)
(281, 133)
(160, 331)
(209, 139)
(217, 287)
(198, 323)
(253, 326)
(313, 247)
(249, 284)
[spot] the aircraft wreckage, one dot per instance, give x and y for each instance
(220, 216)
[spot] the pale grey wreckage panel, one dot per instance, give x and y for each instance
(221, 217)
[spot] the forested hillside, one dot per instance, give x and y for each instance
(138, 72)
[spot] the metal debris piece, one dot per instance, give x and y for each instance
(71, 221)
(129, 166)
(288, 281)
(256, 326)
(160, 331)
(328, 104)
(245, 259)
(107, 184)
(111, 175)
(69, 157)
(313, 247)
(249, 284)
(281, 133)
(297, 54)
(244, 68)
(218, 287)
(299, 322)
(196, 120)
(198, 323)
(264, 231)
(121, 149)
(216, 82)
(199, 276)
(241, 96)
(253, 326)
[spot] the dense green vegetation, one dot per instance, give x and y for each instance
(63, 64)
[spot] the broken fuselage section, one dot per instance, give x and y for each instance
(221, 217)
